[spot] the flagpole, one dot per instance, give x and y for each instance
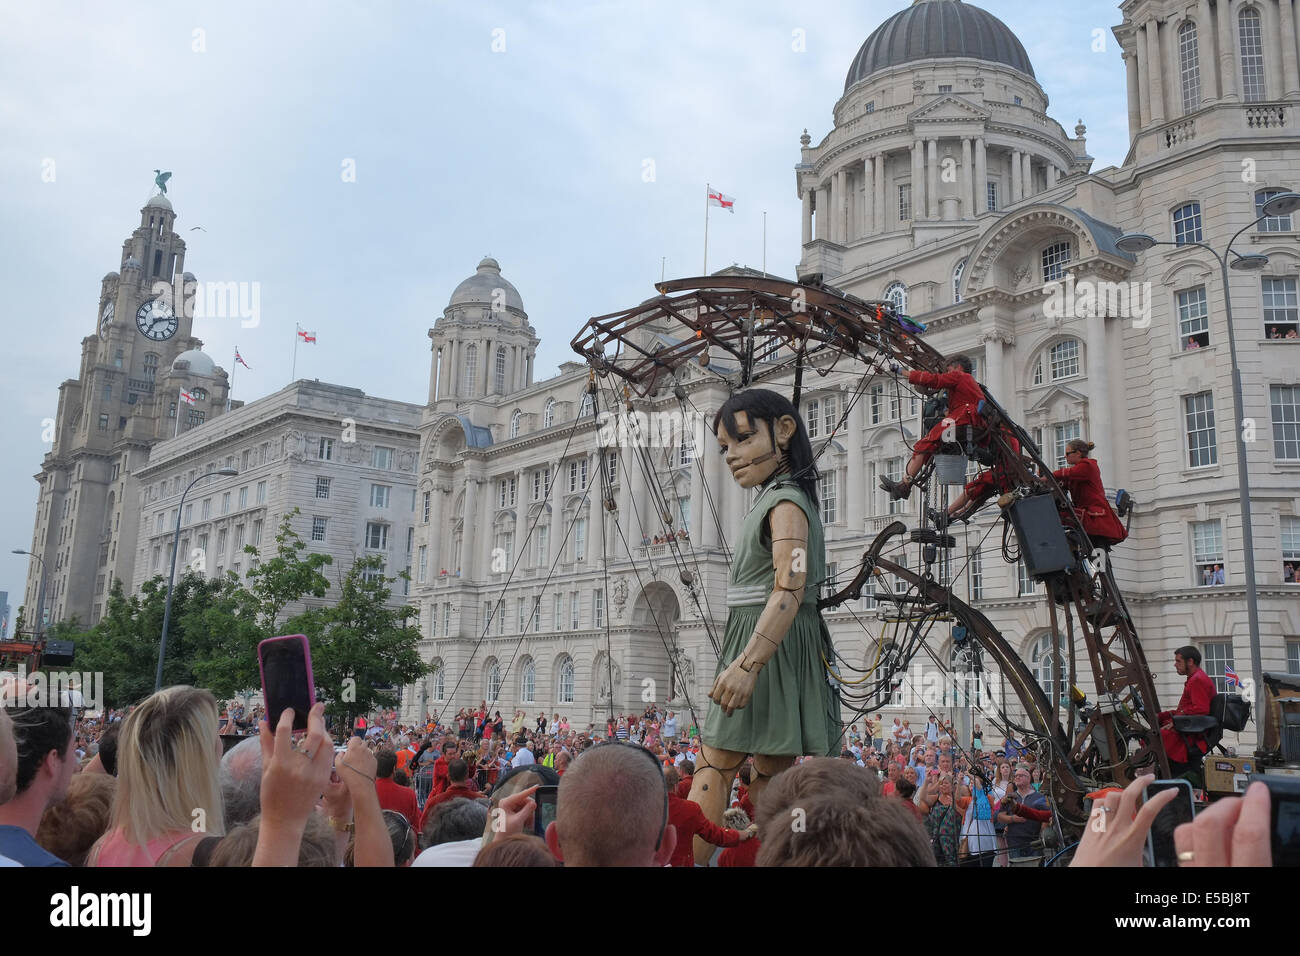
(293, 376)
(764, 243)
(177, 429)
(707, 190)
(230, 385)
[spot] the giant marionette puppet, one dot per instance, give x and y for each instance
(771, 696)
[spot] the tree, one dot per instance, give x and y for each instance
(361, 649)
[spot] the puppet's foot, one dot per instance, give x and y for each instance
(896, 489)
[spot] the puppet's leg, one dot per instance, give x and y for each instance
(711, 789)
(766, 767)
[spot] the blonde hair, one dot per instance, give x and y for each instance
(168, 767)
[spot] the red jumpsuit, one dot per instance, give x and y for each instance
(1083, 482)
(988, 483)
(691, 822)
(964, 396)
(1197, 694)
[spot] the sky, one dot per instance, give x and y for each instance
(357, 159)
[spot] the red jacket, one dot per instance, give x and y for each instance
(964, 394)
(743, 854)
(1197, 694)
(684, 786)
(393, 796)
(691, 822)
(1083, 482)
(467, 789)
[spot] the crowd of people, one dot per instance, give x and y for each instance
(171, 782)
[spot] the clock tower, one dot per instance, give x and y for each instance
(141, 352)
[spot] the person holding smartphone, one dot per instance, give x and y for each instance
(1024, 811)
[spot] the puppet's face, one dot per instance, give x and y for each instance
(750, 453)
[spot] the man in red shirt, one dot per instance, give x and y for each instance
(1197, 694)
(393, 796)
(459, 785)
(449, 750)
(964, 396)
(691, 822)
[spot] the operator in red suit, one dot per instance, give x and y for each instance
(1081, 477)
(1197, 694)
(964, 396)
(691, 822)
(979, 489)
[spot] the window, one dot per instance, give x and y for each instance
(1062, 434)
(828, 584)
(1216, 658)
(171, 410)
(565, 683)
(322, 487)
(1189, 69)
(870, 107)
(1290, 549)
(423, 566)
(1281, 308)
(686, 451)
(516, 420)
(1202, 449)
(575, 608)
(1063, 358)
(537, 615)
(103, 425)
(557, 608)
(108, 393)
(500, 617)
(243, 462)
(118, 357)
(1207, 552)
(239, 537)
(945, 87)
(150, 365)
(1271, 223)
(243, 497)
(1251, 56)
(580, 540)
(1054, 259)
(588, 406)
(1193, 319)
(975, 568)
(499, 372)
(318, 524)
(877, 403)
(469, 377)
(257, 532)
(225, 503)
(382, 458)
(1284, 401)
(897, 294)
(684, 513)
(993, 196)
(206, 509)
(830, 415)
(325, 450)
(376, 536)
(194, 418)
(542, 539)
(1187, 223)
(261, 492)
(956, 281)
(548, 415)
(828, 494)
(611, 467)
(598, 607)
(1017, 100)
(379, 496)
(894, 472)
(428, 497)
(221, 544)
(528, 678)
(812, 416)
(1293, 657)
(904, 202)
(1025, 583)
(505, 545)
(1041, 661)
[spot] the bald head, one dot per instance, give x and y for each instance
(610, 811)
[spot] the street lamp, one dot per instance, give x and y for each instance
(171, 578)
(1280, 205)
(40, 594)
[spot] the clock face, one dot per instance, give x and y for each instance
(156, 320)
(106, 319)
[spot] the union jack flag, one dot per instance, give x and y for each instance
(1230, 676)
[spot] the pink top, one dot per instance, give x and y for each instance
(115, 850)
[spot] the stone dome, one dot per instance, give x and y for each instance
(195, 362)
(109, 277)
(478, 289)
(159, 200)
(937, 29)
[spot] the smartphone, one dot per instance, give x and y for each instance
(285, 663)
(1284, 806)
(544, 815)
(1182, 809)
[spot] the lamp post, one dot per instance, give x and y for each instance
(1280, 205)
(40, 594)
(171, 578)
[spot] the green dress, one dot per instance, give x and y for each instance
(793, 710)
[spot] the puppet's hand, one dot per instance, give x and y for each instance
(733, 687)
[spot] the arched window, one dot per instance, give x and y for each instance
(1189, 68)
(588, 405)
(150, 365)
(956, 281)
(1063, 359)
(564, 680)
(500, 383)
(548, 416)
(897, 294)
(1251, 56)
(516, 419)
(469, 378)
(528, 681)
(439, 682)
(1272, 223)
(1041, 661)
(1187, 223)
(493, 680)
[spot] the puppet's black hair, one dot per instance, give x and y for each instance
(764, 405)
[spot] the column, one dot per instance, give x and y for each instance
(1052, 174)
(556, 541)
(855, 503)
(932, 178)
(823, 210)
(841, 205)
(1134, 110)
(469, 562)
(918, 180)
(521, 518)
(698, 507)
(713, 479)
(879, 207)
(1291, 85)
(1144, 89)
(1027, 175)
(453, 380)
(807, 215)
(981, 175)
(1227, 47)
(1272, 40)
(1017, 171)
(993, 359)
(1099, 398)
(1154, 76)
(438, 557)
(868, 209)
(1205, 51)
(967, 180)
